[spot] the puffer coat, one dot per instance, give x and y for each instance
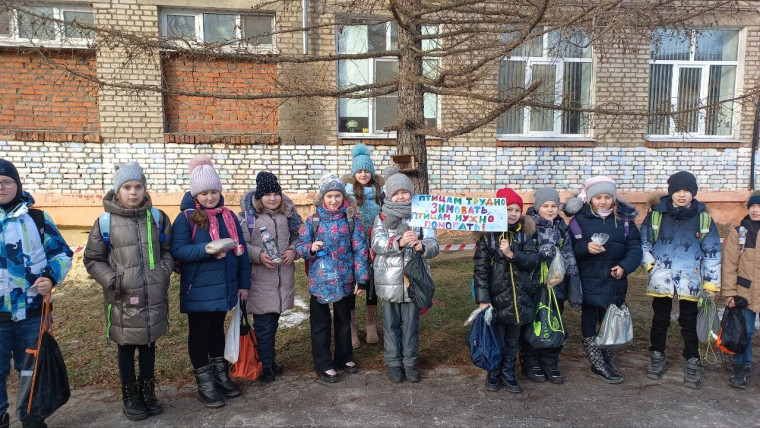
(680, 263)
(134, 272)
(508, 285)
(272, 290)
(390, 259)
(622, 249)
(741, 264)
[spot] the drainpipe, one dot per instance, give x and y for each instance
(755, 138)
(304, 21)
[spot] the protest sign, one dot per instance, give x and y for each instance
(459, 213)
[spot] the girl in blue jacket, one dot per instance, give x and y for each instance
(604, 267)
(208, 242)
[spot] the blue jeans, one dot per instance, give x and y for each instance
(265, 326)
(15, 338)
(749, 321)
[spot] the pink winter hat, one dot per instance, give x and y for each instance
(203, 176)
(598, 185)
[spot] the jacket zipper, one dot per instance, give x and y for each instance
(512, 278)
(145, 280)
(279, 274)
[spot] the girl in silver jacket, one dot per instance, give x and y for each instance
(393, 242)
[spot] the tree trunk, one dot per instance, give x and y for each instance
(411, 115)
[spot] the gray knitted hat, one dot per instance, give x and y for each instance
(395, 181)
(330, 182)
(130, 171)
(545, 194)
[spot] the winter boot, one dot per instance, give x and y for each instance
(222, 379)
(267, 375)
(30, 422)
(609, 357)
(507, 377)
(133, 408)
(411, 374)
(5, 421)
(599, 368)
(354, 335)
(692, 373)
(740, 377)
(395, 374)
(531, 369)
(207, 393)
(276, 368)
(371, 325)
(656, 365)
(148, 395)
(492, 380)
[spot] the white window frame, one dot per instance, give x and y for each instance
(704, 66)
(60, 41)
(559, 63)
(371, 77)
(198, 41)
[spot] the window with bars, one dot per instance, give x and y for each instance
(563, 64)
(229, 29)
(692, 79)
(47, 25)
(368, 116)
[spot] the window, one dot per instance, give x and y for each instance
(694, 72)
(563, 64)
(230, 29)
(372, 115)
(47, 25)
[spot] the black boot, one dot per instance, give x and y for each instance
(492, 380)
(222, 379)
(599, 368)
(608, 355)
(5, 421)
(133, 408)
(30, 422)
(148, 395)
(507, 377)
(207, 393)
(267, 375)
(740, 376)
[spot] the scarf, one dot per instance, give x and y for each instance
(229, 223)
(394, 212)
(604, 213)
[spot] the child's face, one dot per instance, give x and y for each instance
(401, 196)
(602, 201)
(333, 200)
(513, 213)
(132, 194)
(754, 212)
(682, 198)
(363, 176)
(548, 210)
(209, 198)
(271, 201)
(7, 189)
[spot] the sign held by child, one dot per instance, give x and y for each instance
(459, 213)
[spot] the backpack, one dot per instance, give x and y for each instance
(704, 224)
(38, 216)
(104, 221)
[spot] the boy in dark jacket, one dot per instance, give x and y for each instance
(503, 278)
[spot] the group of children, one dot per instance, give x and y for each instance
(359, 240)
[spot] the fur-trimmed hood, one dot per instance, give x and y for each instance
(529, 225)
(352, 210)
(247, 204)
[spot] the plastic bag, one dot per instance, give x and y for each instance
(485, 345)
(248, 366)
(732, 337)
(421, 286)
(232, 340)
(547, 329)
(617, 328)
(708, 323)
(600, 238)
(557, 270)
(219, 247)
(43, 384)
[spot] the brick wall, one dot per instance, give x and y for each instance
(37, 95)
(187, 114)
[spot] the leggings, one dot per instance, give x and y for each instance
(205, 337)
(147, 361)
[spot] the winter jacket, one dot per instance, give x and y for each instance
(370, 208)
(740, 266)
(26, 256)
(551, 236)
(349, 253)
(207, 284)
(134, 272)
(622, 249)
(390, 259)
(508, 285)
(272, 290)
(680, 264)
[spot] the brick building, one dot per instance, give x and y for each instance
(65, 132)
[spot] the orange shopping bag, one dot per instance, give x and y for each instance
(248, 365)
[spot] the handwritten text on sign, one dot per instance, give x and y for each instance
(459, 213)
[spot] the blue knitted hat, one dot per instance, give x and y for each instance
(362, 160)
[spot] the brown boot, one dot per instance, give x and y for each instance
(354, 335)
(371, 325)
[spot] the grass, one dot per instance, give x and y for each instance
(91, 360)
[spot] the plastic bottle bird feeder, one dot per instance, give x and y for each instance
(406, 163)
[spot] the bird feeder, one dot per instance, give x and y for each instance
(406, 163)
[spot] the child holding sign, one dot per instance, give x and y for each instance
(503, 278)
(393, 241)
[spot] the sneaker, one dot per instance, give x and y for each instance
(492, 380)
(692, 373)
(656, 365)
(395, 374)
(411, 374)
(740, 377)
(554, 376)
(533, 373)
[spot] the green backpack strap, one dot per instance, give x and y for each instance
(704, 225)
(655, 223)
